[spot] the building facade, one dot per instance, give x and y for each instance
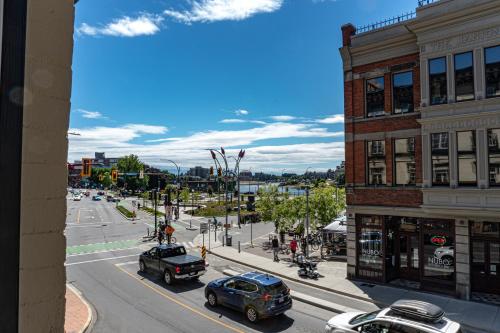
(422, 121)
(199, 171)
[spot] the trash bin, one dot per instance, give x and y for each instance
(229, 240)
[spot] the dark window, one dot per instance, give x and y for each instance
(494, 156)
(370, 246)
(464, 77)
(375, 326)
(440, 159)
(376, 162)
(404, 159)
(375, 102)
(402, 92)
(437, 81)
(485, 229)
(492, 71)
(439, 255)
(245, 286)
(466, 151)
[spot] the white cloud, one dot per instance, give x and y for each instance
(232, 121)
(145, 24)
(190, 150)
(241, 112)
(333, 119)
(90, 114)
(282, 118)
(221, 10)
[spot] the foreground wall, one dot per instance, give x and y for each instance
(42, 276)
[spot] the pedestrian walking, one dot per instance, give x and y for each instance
(276, 247)
(293, 248)
(176, 210)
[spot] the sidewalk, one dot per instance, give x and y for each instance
(475, 317)
(78, 312)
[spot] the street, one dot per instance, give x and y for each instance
(102, 252)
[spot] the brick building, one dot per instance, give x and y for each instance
(422, 150)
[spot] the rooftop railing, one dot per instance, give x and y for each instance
(390, 21)
(422, 3)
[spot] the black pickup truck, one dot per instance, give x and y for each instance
(172, 261)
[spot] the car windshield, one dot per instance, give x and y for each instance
(364, 317)
(177, 251)
(276, 289)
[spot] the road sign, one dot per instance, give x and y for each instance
(203, 252)
(203, 227)
(169, 230)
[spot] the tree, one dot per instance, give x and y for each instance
(324, 207)
(268, 199)
(132, 164)
(184, 195)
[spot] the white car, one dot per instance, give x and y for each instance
(402, 316)
(77, 197)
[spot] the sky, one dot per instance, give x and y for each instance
(169, 79)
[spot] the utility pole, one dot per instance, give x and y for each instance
(307, 222)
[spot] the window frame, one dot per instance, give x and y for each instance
(484, 72)
(455, 77)
(394, 167)
(393, 95)
(367, 114)
(368, 158)
(490, 184)
(432, 161)
(470, 184)
(429, 81)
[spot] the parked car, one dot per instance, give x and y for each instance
(256, 294)
(96, 198)
(100, 193)
(77, 197)
(172, 262)
(402, 316)
(109, 198)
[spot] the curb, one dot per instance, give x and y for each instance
(127, 218)
(92, 313)
(365, 299)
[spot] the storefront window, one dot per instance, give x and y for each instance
(370, 247)
(439, 256)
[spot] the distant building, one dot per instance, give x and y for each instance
(101, 161)
(198, 171)
(246, 175)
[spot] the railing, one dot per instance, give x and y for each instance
(422, 3)
(390, 21)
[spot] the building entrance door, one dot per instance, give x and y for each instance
(486, 266)
(408, 256)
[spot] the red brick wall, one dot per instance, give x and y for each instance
(385, 197)
(359, 162)
(382, 124)
(358, 98)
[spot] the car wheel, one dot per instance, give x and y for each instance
(142, 266)
(212, 299)
(251, 314)
(167, 277)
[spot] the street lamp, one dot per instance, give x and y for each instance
(178, 181)
(307, 216)
(227, 172)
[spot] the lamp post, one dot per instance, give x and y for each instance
(227, 172)
(178, 181)
(307, 216)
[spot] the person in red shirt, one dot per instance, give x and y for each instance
(293, 248)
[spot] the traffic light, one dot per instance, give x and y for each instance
(86, 167)
(219, 171)
(114, 175)
(211, 171)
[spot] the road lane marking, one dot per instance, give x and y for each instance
(126, 263)
(105, 251)
(198, 312)
(78, 216)
(102, 259)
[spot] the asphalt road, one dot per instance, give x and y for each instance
(102, 254)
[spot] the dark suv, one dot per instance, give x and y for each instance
(256, 294)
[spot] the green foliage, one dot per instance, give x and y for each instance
(129, 164)
(152, 211)
(126, 212)
(268, 200)
(184, 196)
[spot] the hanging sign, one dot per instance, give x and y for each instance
(438, 240)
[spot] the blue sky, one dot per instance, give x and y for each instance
(166, 79)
